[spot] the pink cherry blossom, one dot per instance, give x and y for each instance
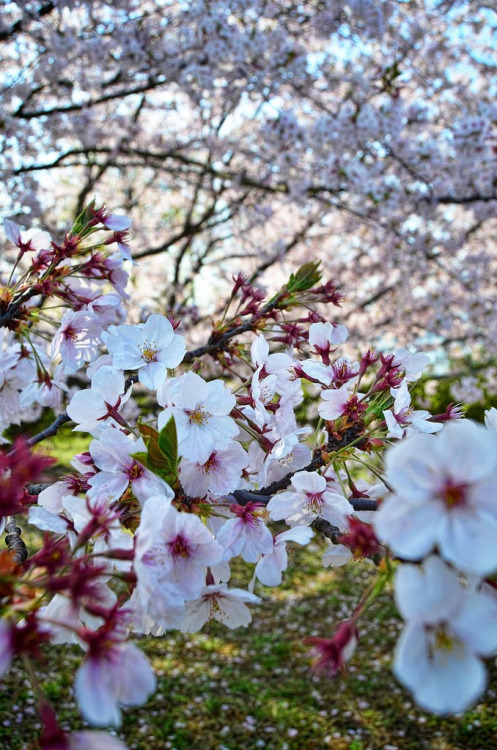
(173, 548)
(112, 454)
(335, 402)
(246, 534)
(114, 674)
(219, 475)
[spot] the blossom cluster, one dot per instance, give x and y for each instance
(39, 349)
(442, 515)
(185, 473)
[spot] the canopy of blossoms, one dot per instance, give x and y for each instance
(254, 133)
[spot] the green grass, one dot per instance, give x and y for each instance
(252, 688)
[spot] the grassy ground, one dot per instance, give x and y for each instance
(252, 688)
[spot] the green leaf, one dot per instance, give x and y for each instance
(141, 457)
(378, 406)
(147, 431)
(305, 278)
(168, 440)
(162, 451)
(82, 220)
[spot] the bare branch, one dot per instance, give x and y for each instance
(50, 431)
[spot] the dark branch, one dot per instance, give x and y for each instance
(51, 430)
(243, 497)
(36, 489)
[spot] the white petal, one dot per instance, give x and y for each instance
(427, 594)
(93, 692)
(443, 681)
(410, 530)
(136, 678)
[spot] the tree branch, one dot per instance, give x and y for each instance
(49, 431)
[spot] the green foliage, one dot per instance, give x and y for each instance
(80, 226)
(161, 456)
(305, 278)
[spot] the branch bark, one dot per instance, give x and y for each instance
(49, 431)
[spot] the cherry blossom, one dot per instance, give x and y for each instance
(141, 536)
(93, 741)
(247, 534)
(219, 475)
(448, 627)
(77, 340)
(309, 499)
(218, 602)
(93, 409)
(323, 337)
(173, 547)
(271, 565)
(112, 454)
(403, 419)
(114, 675)
(491, 419)
(200, 411)
(339, 402)
(151, 348)
(412, 364)
(444, 490)
(332, 654)
(26, 240)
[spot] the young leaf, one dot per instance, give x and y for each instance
(82, 220)
(305, 278)
(146, 431)
(168, 441)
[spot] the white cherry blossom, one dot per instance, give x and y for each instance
(96, 408)
(491, 419)
(324, 337)
(200, 411)
(402, 419)
(271, 565)
(310, 499)
(151, 348)
(412, 363)
(218, 602)
(444, 497)
(449, 626)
